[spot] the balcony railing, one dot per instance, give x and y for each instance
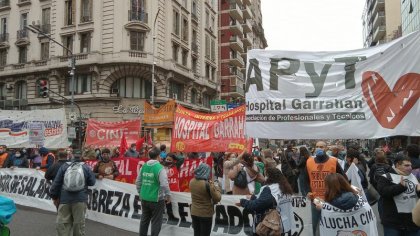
(4, 37)
(45, 28)
(23, 33)
(85, 18)
(138, 16)
(5, 3)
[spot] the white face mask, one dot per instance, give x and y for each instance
(17, 155)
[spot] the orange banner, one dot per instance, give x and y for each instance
(109, 134)
(218, 132)
(159, 117)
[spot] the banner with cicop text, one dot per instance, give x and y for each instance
(109, 134)
(216, 132)
(159, 117)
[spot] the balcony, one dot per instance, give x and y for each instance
(236, 91)
(235, 12)
(379, 6)
(235, 28)
(45, 28)
(138, 16)
(246, 12)
(4, 4)
(236, 44)
(379, 19)
(22, 34)
(4, 37)
(85, 18)
(246, 26)
(379, 33)
(247, 39)
(236, 60)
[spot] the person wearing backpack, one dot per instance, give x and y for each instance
(53, 170)
(244, 176)
(276, 194)
(69, 191)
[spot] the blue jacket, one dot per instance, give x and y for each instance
(345, 201)
(66, 197)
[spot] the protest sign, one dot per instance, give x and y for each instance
(109, 134)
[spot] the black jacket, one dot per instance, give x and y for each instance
(52, 171)
(390, 216)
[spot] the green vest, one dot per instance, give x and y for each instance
(150, 184)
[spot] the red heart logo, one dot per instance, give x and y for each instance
(390, 107)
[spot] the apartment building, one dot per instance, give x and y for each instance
(240, 27)
(381, 21)
(410, 16)
(114, 47)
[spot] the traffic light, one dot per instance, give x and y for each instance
(43, 88)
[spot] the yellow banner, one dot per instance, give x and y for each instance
(159, 117)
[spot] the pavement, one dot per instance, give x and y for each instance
(34, 222)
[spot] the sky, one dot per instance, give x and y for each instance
(313, 25)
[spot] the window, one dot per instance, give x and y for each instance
(213, 50)
(3, 91)
(194, 8)
(194, 65)
(3, 30)
(207, 47)
(176, 91)
(45, 50)
(212, 22)
(3, 57)
(184, 28)
(82, 84)
(45, 27)
(184, 3)
(86, 11)
(20, 90)
(184, 57)
(137, 40)
(69, 12)
(176, 23)
(206, 100)
(132, 87)
(68, 43)
(193, 96)
(85, 42)
(137, 12)
(213, 74)
(23, 20)
(207, 71)
(207, 19)
(175, 50)
(22, 54)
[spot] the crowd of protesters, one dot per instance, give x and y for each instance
(266, 177)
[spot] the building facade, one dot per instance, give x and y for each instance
(114, 46)
(381, 21)
(410, 16)
(240, 29)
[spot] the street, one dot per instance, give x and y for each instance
(34, 222)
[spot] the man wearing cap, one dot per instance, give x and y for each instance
(152, 185)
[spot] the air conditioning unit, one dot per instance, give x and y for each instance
(115, 91)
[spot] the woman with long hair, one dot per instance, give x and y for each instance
(252, 175)
(304, 154)
(276, 193)
(342, 201)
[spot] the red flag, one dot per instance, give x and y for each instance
(139, 144)
(123, 145)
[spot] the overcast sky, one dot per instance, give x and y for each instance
(313, 25)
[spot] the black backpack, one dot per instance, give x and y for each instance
(241, 180)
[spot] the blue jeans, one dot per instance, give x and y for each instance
(389, 231)
(316, 215)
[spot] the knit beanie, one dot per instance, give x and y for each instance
(202, 171)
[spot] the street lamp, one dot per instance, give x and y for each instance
(153, 58)
(36, 30)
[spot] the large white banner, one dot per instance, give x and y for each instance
(117, 204)
(15, 127)
(367, 93)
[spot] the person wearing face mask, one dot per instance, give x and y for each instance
(132, 151)
(171, 166)
(400, 191)
(17, 161)
(317, 169)
(106, 168)
(3, 156)
(69, 153)
(228, 164)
